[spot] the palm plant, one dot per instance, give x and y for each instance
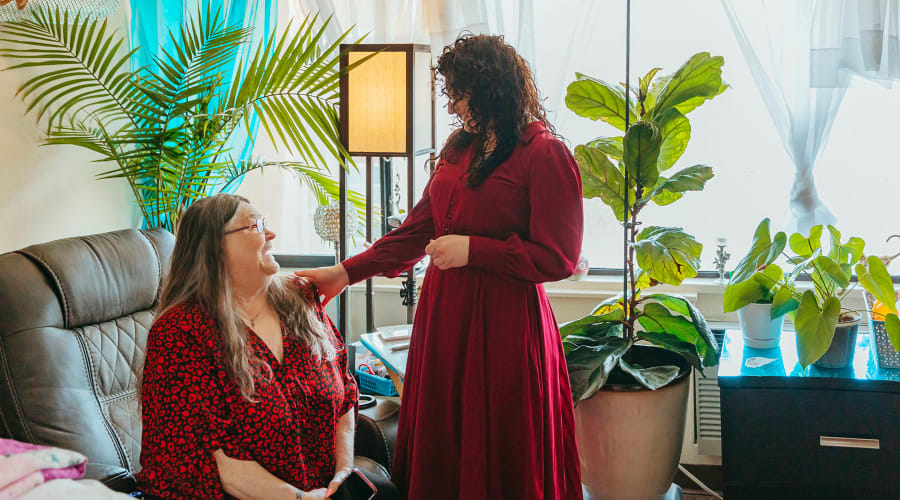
(168, 130)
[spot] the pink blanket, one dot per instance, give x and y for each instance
(24, 466)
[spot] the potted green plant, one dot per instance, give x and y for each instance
(755, 285)
(167, 131)
(630, 397)
(826, 328)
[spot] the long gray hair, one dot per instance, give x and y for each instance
(198, 274)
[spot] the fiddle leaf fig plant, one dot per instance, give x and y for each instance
(627, 173)
(815, 312)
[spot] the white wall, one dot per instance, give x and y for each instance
(51, 192)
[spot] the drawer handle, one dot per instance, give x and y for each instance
(845, 442)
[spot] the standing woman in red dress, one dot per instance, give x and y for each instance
(487, 408)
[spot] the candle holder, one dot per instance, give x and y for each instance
(721, 258)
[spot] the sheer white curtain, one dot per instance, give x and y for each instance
(855, 38)
(776, 46)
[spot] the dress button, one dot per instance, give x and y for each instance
(446, 229)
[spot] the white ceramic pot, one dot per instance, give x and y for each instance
(759, 329)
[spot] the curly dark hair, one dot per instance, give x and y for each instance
(503, 98)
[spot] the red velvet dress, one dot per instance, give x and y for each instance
(191, 407)
(487, 409)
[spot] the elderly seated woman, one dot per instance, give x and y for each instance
(245, 387)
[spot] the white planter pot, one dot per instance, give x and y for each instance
(629, 442)
(760, 330)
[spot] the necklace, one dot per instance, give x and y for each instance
(253, 319)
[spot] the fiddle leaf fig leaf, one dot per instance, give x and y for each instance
(646, 80)
(611, 146)
(668, 254)
(699, 77)
(598, 100)
(590, 362)
(652, 378)
(675, 130)
(601, 179)
(642, 142)
(692, 103)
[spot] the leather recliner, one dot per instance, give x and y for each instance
(74, 318)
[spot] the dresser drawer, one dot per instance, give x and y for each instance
(811, 440)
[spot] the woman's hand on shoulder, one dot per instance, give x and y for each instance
(330, 281)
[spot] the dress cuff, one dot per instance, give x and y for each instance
(360, 266)
(486, 253)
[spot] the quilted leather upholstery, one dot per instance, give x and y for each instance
(74, 317)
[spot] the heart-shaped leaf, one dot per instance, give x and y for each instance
(831, 269)
(803, 246)
(784, 301)
(763, 251)
(759, 288)
(892, 325)
(877, 281)
(815, 327)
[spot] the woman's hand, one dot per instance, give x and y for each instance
(339, 477)
(330, 281)
(319, 494)
(449, 251)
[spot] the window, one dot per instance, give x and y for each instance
(855, 176)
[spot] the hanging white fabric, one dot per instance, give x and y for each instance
(775, 38)
(435, 22)
(855, 38)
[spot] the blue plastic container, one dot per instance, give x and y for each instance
(374, 384)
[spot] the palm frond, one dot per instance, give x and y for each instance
(80, 65)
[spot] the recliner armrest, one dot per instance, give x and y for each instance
(376, 432)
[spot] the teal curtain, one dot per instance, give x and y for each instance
(152, 21)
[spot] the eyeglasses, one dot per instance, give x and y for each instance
(260, 226)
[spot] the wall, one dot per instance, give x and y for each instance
(51, 192)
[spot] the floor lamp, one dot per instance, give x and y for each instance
(386, 111)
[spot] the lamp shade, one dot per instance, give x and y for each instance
(385, 98)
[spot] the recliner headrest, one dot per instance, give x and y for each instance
(104, 276)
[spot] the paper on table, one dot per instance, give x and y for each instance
(393, 359)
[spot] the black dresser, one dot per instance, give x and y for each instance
(815, 433)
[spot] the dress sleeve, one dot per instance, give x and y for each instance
(398, 250)
(556, 224)
(183, 408)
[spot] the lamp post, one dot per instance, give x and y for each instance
(386, 111)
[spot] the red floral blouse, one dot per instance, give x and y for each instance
(191, 407)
